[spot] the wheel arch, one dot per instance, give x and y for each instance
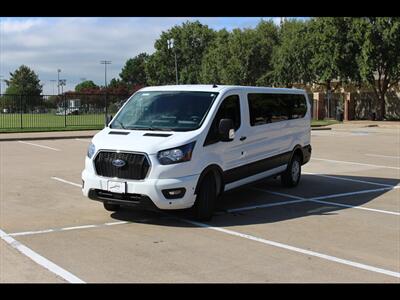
(297, 150)
(217, 173)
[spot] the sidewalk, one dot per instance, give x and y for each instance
(371, 126)
(366, 123)
(47, 135)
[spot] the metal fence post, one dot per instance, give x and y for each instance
(65, 110)
(20, 110)
(105, 110)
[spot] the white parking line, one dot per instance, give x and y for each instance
(68, 228)
(354, 163)
(41, 146)
(44, 262)
(386, 156)
(66, 181)
(347, 179)
(82, 140)
(319, 199)
(296, 249)
(263, 205)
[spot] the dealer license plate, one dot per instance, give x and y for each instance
(116, 187)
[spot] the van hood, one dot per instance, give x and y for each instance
(146, 141)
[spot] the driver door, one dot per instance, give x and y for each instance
(231, 152)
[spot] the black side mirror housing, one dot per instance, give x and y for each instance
(226, 130)
(108, 119)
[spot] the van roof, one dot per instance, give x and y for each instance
(217, 88)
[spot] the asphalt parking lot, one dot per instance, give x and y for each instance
(341, 224)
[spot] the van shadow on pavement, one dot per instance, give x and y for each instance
(310, 186)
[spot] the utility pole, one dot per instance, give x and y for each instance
(1, 80)
(170, 44)
(58, 80)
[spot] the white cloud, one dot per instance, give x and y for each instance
(16, 25)
(76, 45)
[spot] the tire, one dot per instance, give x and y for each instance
(111, 207)
(291, 177)
(205, 200)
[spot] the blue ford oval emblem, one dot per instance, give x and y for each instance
(119, 163)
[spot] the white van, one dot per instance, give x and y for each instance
(176, 147)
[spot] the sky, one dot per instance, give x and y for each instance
(77, 45)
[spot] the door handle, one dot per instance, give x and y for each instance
(242, 138)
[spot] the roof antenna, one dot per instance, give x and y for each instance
(214, 85)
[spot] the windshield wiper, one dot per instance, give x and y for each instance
(151, 128)
(161, 129)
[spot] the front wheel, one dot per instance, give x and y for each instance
(205, 200)
(291, 177)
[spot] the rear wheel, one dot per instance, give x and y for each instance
(111, 206)
(291, 177)
(205, 200)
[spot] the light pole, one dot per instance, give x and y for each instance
(1, 80)
(58, 80)
(170, 44)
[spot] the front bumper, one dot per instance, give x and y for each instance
(142, 191)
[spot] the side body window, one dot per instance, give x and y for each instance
(229, 109)
(271, 108)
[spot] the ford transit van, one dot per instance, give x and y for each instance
(178, 147)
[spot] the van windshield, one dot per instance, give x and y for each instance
(169, 111)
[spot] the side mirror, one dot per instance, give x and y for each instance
(108, 119)
(226, 130)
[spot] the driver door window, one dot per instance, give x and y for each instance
(229, 109)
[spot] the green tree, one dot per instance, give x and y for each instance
(291, 58)
(215, 60)
(85, 85)
(191, 39)
(240, 57)
(379, 59)
(334, 51)
(24, 81)
(24, 89)
(134, 71)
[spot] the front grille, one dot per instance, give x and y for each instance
(136, 166)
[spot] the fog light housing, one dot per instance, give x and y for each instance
(174, 193)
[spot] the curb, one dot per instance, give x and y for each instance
(321, 128)
(45, 138)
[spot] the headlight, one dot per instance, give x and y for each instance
(91, 150)
(176, 155)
